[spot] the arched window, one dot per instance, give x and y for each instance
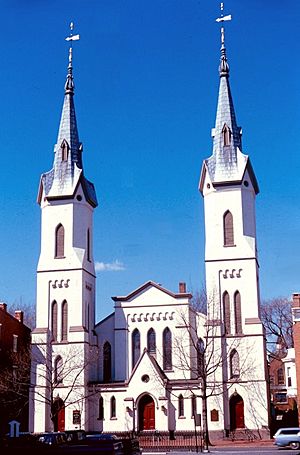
(200, 358)
(60, 241)
(180, 406)
(58, 370)
(88, 245)
(167, 349)
(101, 409)
(136, 347)
(234, 362)
(106, 362)
(228, 229)
(151, 341)
(64, 150)
(226, 135)
(280, 376)
(237, 313)
(112, 408)
(54, 321)
(64, 321)
(226, 312)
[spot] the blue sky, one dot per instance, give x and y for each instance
(146, 76)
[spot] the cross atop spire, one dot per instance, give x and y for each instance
(224, 67)
(69, 86)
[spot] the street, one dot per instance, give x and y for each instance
(236, 451)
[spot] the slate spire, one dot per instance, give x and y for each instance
(67, 171)
(227, 162)
(68, 138)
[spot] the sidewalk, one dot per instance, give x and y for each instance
(237, 443)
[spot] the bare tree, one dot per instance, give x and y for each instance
(57, 384)
(205, 354)
(276, 316)
(61, 381)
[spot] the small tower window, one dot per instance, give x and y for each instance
(167, 349)
(226, 312)
(151, 342)
(228, 229)
(106, 362)
(226, 135)
(234, 362)
(136, 347)
(64, 321)
(180, 406)
(58, 370)
(237, 313)
(54, 321)
(60, 241)
(64, 151)
(112, 408)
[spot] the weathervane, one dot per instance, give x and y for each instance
(223, 18)
(71, 38)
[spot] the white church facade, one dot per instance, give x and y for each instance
(156, 363)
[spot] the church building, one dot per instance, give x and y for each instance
(156, 363)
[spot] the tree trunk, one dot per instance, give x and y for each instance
(205, 420)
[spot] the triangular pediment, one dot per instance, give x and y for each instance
(147, 374)
(147, 287)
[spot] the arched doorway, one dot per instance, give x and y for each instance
(236, 409)
(146, 410)
(58, 415)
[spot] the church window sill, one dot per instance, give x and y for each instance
(113, 418)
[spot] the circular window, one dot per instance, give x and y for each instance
(79, 197)
(145, 378)
(246, 183)
(208, 185)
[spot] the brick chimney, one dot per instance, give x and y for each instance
(3, 306)
(182, 288)
(19, 315)
(296, 300)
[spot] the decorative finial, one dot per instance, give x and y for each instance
(69, 86)
(224, 68)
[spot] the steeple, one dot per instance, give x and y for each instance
(67, 169)
(227, 163)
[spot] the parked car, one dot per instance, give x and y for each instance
(288, 437)
(105, 442)
(52, 438)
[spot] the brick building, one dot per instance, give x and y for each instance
(296, 333)
(14, 369)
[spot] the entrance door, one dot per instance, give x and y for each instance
(61, 420)
(58, 412)
(236, 407)
(146, 413)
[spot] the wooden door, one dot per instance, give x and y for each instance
(236, 406)
(61, 419)
(146, 413)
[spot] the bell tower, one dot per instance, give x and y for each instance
(63, 341)
(229, 188)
